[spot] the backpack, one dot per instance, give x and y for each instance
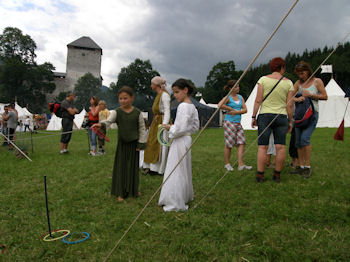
(56, 109)
(304, 113)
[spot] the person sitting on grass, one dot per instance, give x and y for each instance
(131, 138)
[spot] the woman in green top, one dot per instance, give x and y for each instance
(131, 138)
(276, 115)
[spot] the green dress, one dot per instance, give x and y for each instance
(125, 181)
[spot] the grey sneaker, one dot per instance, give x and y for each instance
(240, 168)
(228, 167)
(307, 172)
(297, 171)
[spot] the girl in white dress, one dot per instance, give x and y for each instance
(177, 189)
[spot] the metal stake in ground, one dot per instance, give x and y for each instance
(31, 139)
(47, 207)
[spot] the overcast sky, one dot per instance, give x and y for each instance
(181, 38)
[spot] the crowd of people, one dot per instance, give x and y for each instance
(276, 100)
(272, 114)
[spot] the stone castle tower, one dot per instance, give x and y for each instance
(83, 56)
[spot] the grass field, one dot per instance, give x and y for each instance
(296, 220)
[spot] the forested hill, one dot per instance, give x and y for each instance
(340, 61)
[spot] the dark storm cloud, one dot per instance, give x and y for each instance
(187, 38)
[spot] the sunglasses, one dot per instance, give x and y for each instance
(301, 66)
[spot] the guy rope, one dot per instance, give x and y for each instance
(200, 133)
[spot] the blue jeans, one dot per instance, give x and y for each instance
(303, 135)
(279, 128)
(93, 141)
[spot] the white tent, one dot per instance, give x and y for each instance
(247, 118)
(79, 118)
(56, 122)
(23, 113)
(331, 111)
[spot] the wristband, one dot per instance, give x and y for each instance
(253, 117)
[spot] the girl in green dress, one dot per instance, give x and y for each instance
(131, 139)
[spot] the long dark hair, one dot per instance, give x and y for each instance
(230, 84)
(96, 100)
(303, 66)
(182, 83)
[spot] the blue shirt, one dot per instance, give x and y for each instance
(236, 106)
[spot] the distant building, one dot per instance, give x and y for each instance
(83, 56)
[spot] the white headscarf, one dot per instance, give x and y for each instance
(157, 80)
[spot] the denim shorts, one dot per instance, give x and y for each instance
(279, 127)
(303, 135)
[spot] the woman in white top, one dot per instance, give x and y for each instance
(177, 189)
(314, 89)
(155, 155)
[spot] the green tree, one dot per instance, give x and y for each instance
(213, 90)
(110, 97)
(86, 87)
(61, 96)
(15, 44)
(20, 76)
(138, 76)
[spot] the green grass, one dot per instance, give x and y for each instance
(296, 220)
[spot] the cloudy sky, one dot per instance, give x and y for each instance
(181, 38)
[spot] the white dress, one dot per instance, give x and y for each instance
(164, 107)
(177, 190)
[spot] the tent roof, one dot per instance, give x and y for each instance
(333, 89)
(247, 118)
(202, 101)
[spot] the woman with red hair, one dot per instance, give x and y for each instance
(275, 115)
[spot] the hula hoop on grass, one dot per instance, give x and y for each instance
(56, 238)
(87, 235)
(160, 136)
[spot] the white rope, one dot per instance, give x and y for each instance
(200, 133)
(56, 134)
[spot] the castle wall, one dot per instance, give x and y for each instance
(81, 61)
(61, 86)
